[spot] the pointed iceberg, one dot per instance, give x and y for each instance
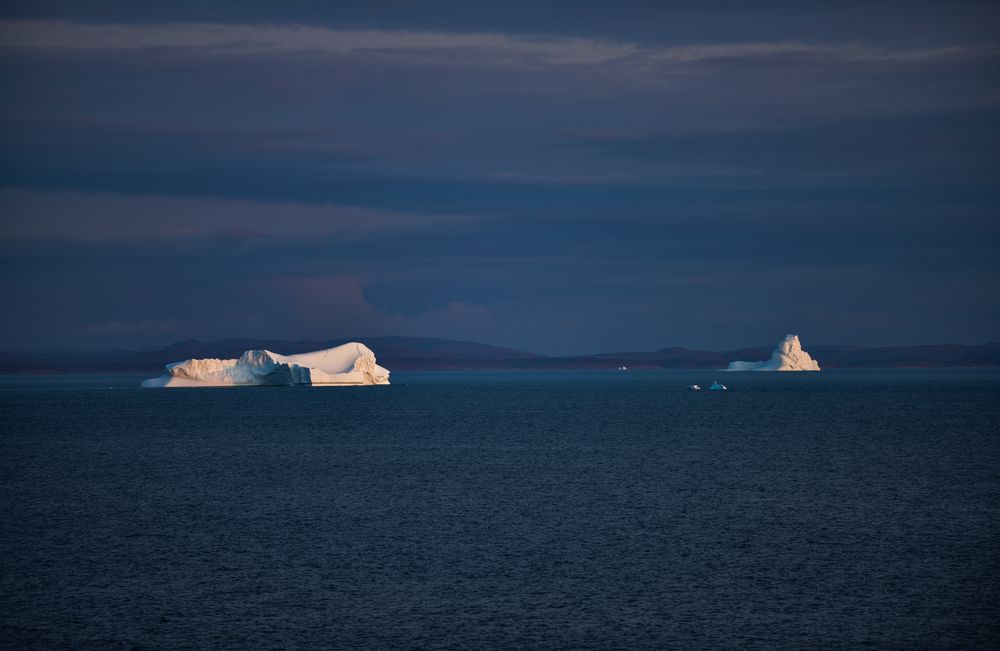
(350, 365)
(788, 356)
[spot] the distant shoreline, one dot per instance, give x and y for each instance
(426, 354)
(144, 372)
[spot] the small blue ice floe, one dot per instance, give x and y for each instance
(717, 387)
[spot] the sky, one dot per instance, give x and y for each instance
(560, 177)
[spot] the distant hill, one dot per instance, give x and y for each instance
(930, 356)
(425, 353)
(399, 353)
(384, 347)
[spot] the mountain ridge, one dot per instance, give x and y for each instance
(429, 353)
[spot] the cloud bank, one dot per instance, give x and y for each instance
(534, 178)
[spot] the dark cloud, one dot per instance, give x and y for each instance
(577, 182)
(896, 21)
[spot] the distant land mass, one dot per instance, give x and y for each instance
(425, 353)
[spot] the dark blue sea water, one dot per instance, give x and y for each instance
(853, 509)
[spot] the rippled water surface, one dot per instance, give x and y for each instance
(586, 510)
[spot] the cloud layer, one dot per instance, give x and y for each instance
(560, 187)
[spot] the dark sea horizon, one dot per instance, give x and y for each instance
(543, 509)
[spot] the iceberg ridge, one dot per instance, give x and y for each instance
(788, 356)
(350, 365)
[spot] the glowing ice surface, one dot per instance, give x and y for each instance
(788, 356)
(350, 364)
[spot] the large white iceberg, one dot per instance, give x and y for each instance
(350, 364)
(788, 356)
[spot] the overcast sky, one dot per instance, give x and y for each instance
(562, 177)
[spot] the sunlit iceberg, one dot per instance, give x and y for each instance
(788, 356)
(350, 364)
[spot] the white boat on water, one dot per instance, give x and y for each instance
(695, 387)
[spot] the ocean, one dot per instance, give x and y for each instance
(589, 510)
